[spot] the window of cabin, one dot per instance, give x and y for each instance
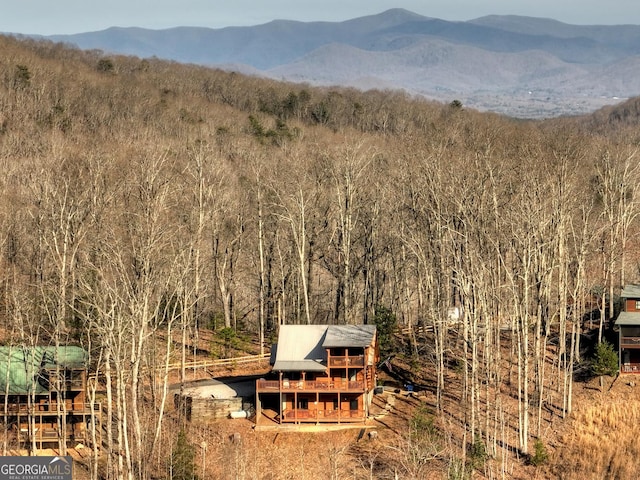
(336, 404)
(353, 404)
(303, 404)
(637, 304)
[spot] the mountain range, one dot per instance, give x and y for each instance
(520, 66)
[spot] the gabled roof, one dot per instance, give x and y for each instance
(631, 291)
(303, 347)
(23, 370)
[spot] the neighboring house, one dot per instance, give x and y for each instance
(324, 373)
(628, 326)
(43, 394)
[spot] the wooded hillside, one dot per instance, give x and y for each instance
(142, 199)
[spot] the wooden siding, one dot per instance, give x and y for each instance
(630, 305)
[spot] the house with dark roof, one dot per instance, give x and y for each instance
(628, 326)
(320, 373)
(43, 394)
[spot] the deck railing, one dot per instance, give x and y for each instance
(630, 341)
(219, 362)
(309, 385)
(355, 361)
(66, 385)
(323, 415)
(44, 409)
(48, 433)
(630, 368)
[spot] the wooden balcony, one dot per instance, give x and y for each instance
(39, 423)
(630, 342)
(48, 409)
(65, 381)
(73, 385)
(356, 361)
(47, 433)
(630, 368)
(332, 416)
(318, 385)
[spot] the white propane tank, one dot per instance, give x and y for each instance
(239, 414)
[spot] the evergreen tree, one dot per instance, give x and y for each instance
(605, 361)
(183, 465)
(386, 325)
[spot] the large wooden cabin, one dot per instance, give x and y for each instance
(43, 394)
(628, 326)
(321, 373)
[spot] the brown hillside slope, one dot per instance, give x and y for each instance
(153, 212)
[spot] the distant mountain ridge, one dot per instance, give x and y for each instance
(522, 66)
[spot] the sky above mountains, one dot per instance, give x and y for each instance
(46, 17)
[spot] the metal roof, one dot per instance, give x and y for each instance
(303, 347)
(23, 369)
(349, 336)
(630, 291)
(628, 318)
(300, 348)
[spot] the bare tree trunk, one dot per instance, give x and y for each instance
(261, 287)
(110, 417)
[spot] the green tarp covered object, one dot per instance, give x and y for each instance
(23, 370)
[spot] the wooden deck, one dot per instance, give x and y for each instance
(324, 385)
(39, 422)
(351, 361)
(630, 342)
(630, 368)
(51, 408)
(318, 416)
(269, 421)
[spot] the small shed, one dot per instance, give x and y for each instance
(209, 400)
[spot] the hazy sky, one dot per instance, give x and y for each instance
(48, 17)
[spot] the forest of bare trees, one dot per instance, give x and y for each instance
(146, 202)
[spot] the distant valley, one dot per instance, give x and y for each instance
(520, 66)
